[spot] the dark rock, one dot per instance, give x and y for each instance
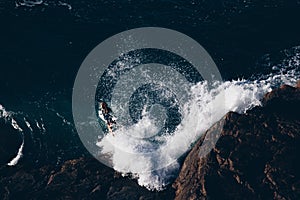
(83, 178)
(284, 93)
(256, 156)
(298, 84)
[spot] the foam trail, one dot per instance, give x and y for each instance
(29, 3)
(3, 113)
(28, 125)
(16, 159)
(15, 125)
(153, 164)
(8, 117)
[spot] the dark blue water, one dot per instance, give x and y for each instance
(43, 45)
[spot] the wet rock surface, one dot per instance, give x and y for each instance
(256, 156)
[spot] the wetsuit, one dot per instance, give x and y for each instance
(105, 111)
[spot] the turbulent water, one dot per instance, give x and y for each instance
(49, 51)
(154, 162)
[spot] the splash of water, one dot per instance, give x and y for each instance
(155, 163)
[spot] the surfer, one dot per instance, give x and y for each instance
(106, 112)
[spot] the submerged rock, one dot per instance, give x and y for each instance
(256, 156)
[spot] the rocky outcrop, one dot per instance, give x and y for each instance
(83, 178)
(256, 156)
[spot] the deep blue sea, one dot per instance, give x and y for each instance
(255, 44)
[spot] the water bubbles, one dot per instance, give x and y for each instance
(145, 76)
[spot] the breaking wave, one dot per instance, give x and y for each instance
(153, 161)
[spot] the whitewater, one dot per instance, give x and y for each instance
(154, 163)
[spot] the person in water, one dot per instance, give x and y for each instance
(106, 114)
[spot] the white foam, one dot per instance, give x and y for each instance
(16, 159)
(153, 165)
(65, 4)
(15, 125)
(28, 124)
(3, 113)
(29, 3)
(8, 117)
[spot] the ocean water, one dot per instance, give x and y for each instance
(254, 44)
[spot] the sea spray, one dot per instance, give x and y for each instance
(155, 163)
